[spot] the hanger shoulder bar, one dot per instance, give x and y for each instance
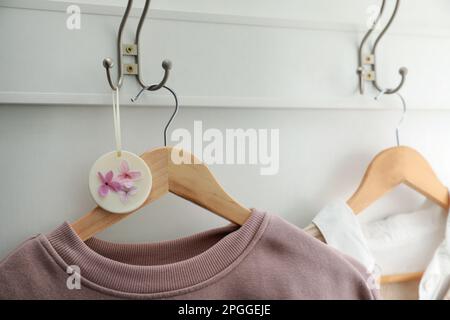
(99, 219)
(421, 177)
(382, 175)
(392, 167)
(195, 182)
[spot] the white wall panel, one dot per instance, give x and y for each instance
(288, 65)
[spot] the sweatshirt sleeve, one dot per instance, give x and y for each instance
(18, 271)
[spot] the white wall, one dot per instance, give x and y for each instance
(297, 61)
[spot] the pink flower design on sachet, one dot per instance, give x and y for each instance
(126, 191)
(123, 185)
(108, 184)
(126, 174)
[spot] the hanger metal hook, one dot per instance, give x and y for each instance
(403, 71)
(108, 63)
(166, 64)
(172, 117)
(397, 128)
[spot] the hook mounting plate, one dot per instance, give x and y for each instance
(369, 59)
(129, 49)
(369, 75)
(130, 68)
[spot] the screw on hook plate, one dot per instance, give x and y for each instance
(369, 59)
(129, 49)
(369, 75)
(130, 68)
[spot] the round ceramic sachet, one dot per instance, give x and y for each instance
(120, 184)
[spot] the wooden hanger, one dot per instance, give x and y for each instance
(387, 170)
(193, 182)
(395, 166)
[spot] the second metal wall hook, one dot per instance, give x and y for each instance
(370, 74)
(132, 49)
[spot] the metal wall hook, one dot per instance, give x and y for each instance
(370, 75)
(397, 128)
(166, 64)
(132, 50)
(108, 62)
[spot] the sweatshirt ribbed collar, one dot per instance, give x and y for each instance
(120, 267)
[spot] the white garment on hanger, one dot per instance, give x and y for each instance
(400, 243)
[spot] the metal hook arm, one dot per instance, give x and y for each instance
(167, 65)
(361, 46)
(108, 62)
(403, 71)
(154, 87)
(369, 32)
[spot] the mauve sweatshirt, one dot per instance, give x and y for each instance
(266, 258)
